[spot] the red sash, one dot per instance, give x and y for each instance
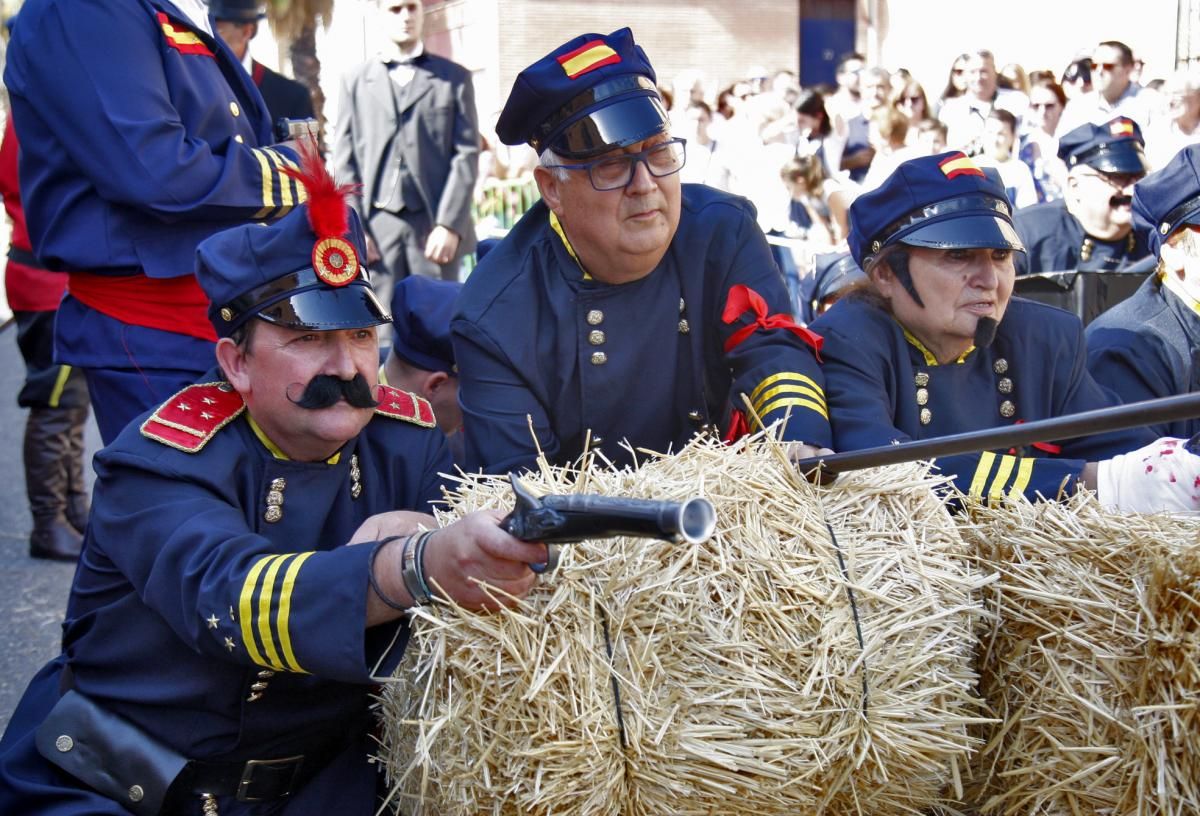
(175, 305)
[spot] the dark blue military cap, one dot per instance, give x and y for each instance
(834, 272)
(1114, 147)
(238, 11)
(286, 275)
(1168, 198)
(941, 202)
(588, 96)
(422, 308)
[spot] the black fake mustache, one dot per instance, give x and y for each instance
(1120, 201)
(324, 391)
(985, 332)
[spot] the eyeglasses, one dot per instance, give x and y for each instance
(616, 172)
(1118, 181)
(911, 100)
(1106, 66)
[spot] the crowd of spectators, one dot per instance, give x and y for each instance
(802, 154)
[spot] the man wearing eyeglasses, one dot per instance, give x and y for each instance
(1114, 91)
(1091, 228)
(625, 310)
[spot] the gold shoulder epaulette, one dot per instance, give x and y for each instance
(405, 405)
(193, 416)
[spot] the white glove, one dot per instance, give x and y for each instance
(1161, 477)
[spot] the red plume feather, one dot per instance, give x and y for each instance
(328, 212)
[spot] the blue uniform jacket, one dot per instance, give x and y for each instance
(643, 361)
(1148, 347)
(140, 137)
(1036, 364)
(1054, 241)
(187, 596)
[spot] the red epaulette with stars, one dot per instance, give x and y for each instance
(193, 416)
(405, 405)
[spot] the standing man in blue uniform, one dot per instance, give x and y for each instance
(222, 640)
(1149, 345)
(622, 310)
(1091, 227)
(141, 135)
(237, 24)
(936, 345)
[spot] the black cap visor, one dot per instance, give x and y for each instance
(1115, 157)
(323, 308)
(967, 231)
(622, 122)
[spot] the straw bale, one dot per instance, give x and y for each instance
(1092, 666)
(743, 686)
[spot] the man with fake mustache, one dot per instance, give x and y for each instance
(1091, 228)
(254, 546)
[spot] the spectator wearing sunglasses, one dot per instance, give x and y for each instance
(1038, 145)
(912, 102)
(1114, 91)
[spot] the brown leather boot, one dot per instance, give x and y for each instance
(78, 497)
(46, 444)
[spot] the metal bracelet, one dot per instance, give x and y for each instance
(419, 559)
(411, 572)
(371, 573)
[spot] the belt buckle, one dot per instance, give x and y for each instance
(278, 776)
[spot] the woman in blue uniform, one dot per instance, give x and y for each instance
(935, 344)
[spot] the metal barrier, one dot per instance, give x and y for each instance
(499, 205)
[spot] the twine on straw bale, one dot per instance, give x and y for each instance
(1093, 666)
(738, 661)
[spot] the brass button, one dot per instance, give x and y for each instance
(599, 358)
(922, 379)
(695, 416)
(596, 337)
(279, 483)
(226, 314)
(136, 793)
(254, 697)
(595, 317)
(682, 305)
(266, 674)
(1005, 385)
(259, 686)
(1007, 409)
(922, 396)
(926, 416)
(238, 138)
(684, 328)
(234, 109)
(1000, 366)
(64, 743)
(273, 514)
(274, 499)
(597, 441)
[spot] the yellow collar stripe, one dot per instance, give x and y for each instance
(275, 450)
(930, 359)
(557, 227)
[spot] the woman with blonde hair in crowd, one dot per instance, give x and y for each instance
(818, 205)
(888, 130)
(912, 102)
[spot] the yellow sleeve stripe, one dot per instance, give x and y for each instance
(782, 375)
(1024, 474)
(788, 388)
(1002, 473)
(981, 473)
(268, 190)
(264, 610)
(300, 191)
(265, 576)
(285, 182)
(245, 612)
(285, 611)
(60, 382)
(784, 402)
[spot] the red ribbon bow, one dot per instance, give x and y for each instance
(743, 299)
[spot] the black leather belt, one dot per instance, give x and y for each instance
(255, 780)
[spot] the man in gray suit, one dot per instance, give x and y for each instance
(408, 134)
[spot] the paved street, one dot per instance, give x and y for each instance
(33, 593)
